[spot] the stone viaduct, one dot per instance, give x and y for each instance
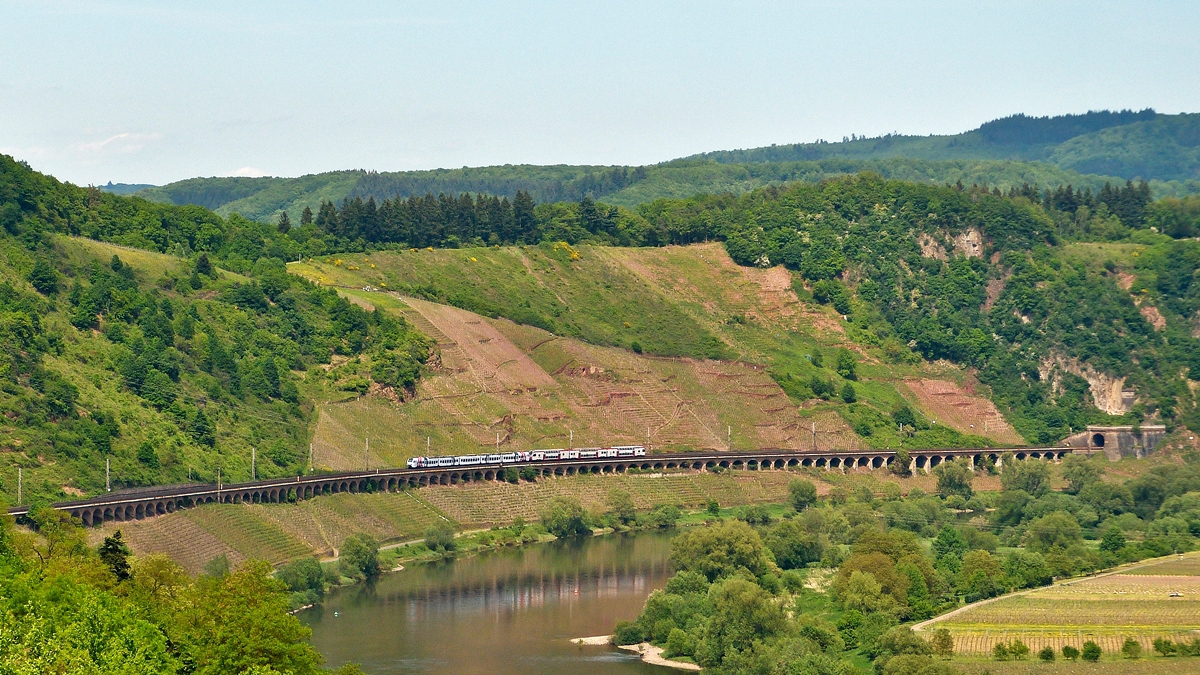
(143, 503)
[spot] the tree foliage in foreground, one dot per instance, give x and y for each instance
(64, 610)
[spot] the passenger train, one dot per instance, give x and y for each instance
(553, 455)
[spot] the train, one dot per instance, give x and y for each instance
(551, 455)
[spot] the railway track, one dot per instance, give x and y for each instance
(142, 503)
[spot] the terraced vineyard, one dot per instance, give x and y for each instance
(247, 534)
(281, 532)
(1136, 603)
(176, 535)
(276, 532)
(512, 384)
(494, 503)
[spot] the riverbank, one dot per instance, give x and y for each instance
(654, 656)
(393, 557)
(517, 607)
(279, 533)
(649, 653)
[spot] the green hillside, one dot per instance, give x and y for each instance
(1050, 298)
(1085, 151)
(173, 341)
(1128, 145)
(166, 365)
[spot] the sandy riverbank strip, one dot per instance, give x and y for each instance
(594, 640)
(650, 654)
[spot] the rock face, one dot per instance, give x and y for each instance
(969, 243)
(1108, 393)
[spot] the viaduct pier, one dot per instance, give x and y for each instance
(143, 503)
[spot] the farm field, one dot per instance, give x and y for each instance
(1143, 666)
(1136, 603)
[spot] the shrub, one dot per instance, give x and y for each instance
(755, 514)
(1131, 649)
(564, 516)
(440, 537)
(621, 506)
(801, 494)
(1091, 651)
(146, 455)
(1000, 651)
(665, 516)
(1164, 647)
(942, 643)
(713, 508)
(792, 580)
(1070, 653)
(360, 556)
(679, 643)
(627, 633)
(1019, 650)
(304, 576)
(721, 551)
(1046, 654)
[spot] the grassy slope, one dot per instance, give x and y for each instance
(671, 301)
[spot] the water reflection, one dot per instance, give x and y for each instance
(505, 612)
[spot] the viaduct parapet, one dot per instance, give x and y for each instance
(135, 505)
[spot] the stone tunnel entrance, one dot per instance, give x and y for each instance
(1098, 440)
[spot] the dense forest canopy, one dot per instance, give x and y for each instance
(1084, 150)
(1022, 129)
(68, 608)
(1127, 144)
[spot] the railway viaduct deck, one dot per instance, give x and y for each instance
(135, 505)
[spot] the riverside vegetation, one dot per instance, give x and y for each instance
(67, 608)
(832, 586)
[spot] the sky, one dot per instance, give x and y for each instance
(152, 92)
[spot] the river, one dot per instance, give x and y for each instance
(509, 611)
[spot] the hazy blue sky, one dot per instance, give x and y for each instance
(159, 91)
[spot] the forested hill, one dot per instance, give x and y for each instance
(1127, 144)
(180, 349)
(1084, 151)
(174, 342)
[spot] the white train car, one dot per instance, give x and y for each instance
(551, 455)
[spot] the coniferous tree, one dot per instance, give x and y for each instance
(523, 217)
(285, 223)
(43, 277)
(115, 555)
(306, 216)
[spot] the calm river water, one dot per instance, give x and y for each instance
(512, 611)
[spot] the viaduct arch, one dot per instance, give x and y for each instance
(168, 499)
